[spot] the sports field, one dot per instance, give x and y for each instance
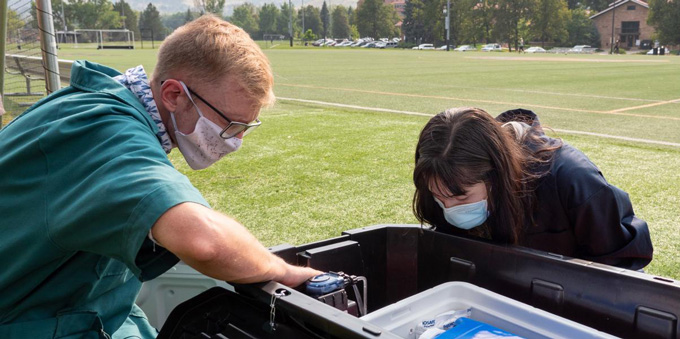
(336, 152)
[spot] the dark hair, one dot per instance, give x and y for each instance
(465, 146)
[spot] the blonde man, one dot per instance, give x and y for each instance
(91, 205)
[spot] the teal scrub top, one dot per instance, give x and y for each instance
(83, 179)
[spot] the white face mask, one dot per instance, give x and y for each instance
(204, 146)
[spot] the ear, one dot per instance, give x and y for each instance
(171, 90)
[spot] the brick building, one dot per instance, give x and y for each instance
(630, 24)
(399, 6)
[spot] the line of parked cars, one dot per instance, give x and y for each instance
(424, 46)
(492, 48)
(462, 48)
(465, 48)
(363, 42)
(393, 43)
(535, 49)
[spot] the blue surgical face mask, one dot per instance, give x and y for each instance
(465, 216)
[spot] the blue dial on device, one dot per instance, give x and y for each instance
(325, 283)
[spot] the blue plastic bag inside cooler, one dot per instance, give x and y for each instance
(466, 328)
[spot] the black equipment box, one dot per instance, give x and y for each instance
(402, 260)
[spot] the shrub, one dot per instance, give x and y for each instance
(407, 45)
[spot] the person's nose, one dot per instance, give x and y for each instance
(448, 203)
(240, 135)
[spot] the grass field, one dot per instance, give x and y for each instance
(313, 169)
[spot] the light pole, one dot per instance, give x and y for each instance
(447, 11)
(611, 45)
(290, 22)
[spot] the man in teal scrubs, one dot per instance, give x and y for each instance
(90, 204)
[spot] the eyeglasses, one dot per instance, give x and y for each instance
(234, 127)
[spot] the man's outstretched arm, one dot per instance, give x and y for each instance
(218, 246)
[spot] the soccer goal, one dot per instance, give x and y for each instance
(271, 38)
(105, 38)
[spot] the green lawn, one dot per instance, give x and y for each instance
(312, 171)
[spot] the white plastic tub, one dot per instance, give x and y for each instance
(401, 318)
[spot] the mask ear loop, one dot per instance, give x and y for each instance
(490, 201)
(186, 90)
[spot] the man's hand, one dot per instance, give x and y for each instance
(296, 275)
(220, 247)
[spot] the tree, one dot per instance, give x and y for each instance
(268, 17)
(150, 23)
(174, 20)
(664, 15)
(87, 14)
(581, 30)
(376, 19)
(595, 5)
(14, 23)
(188, 16)
(414, 21)
(340, 27)
(549, 21)
(245, 17)
(350, 16)
(59, 17)
(509, 16)
(486, 15)
(129, 16)
(312, 19)
(210, 6)
(325, 19)
(309, 35)
(284, 18)
(354, 32)
(466, 22)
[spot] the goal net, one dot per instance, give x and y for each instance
(104, 38)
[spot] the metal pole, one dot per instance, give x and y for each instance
(611, 44)
(290, 22)
(48, 45)
(448, 23)
(303, 16)
(3, 34)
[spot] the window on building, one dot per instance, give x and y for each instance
(630, 27)
(631, 8)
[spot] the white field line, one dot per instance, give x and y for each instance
(560, 94)
(609, 136)
(565, 59)
(514, 104)
(387, 110)
(645, 106)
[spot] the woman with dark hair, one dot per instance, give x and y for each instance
(504, 180)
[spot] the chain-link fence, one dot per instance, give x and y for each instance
(24, 80)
